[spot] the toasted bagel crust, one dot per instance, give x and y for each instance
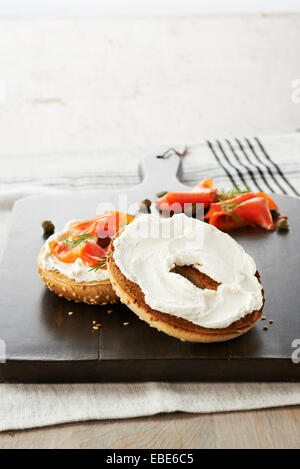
(131, 294)
(96, 292)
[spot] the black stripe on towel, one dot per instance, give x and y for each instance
(220, 163)
(250, 172)
(266, 166)
(239, 173)
(257, 167)
(276, 167)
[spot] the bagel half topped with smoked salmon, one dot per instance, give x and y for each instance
(185, 278)
(73, 262)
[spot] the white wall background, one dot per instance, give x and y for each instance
(88, 8)
(80, 88)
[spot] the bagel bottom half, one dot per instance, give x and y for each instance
(93, 293)
(131, 294)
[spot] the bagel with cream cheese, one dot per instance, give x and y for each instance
(72, 263)
(185, 278)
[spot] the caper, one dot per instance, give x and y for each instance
(48, 226)
(283, 224)
(161, 194)
(145, 205)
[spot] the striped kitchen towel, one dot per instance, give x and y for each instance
(270, 164)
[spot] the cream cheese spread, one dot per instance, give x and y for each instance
(77, 270)
(151, 246)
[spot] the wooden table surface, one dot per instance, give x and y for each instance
(267, 429)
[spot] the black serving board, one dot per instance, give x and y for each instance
(46, 344)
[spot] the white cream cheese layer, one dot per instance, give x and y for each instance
(151, 246)
(78, 270)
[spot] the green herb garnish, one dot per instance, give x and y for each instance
(225, 195)
(99, 265)
(72, 243)
(228, 208)
(227, 205)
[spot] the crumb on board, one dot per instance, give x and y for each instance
(125, 323)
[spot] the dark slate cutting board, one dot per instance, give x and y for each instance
(45, 344)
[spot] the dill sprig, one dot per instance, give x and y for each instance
(72, 243)
(99, 265)
(225, 195)
(228, 207)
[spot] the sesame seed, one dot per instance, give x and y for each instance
(95, 328)
(263, 318)
(271, 321)
(125, 323)
(70, 313)
(266, 328)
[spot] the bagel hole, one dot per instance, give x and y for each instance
(193, 275)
